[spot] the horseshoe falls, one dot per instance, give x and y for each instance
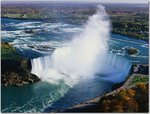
(71, 59)
(85, 57)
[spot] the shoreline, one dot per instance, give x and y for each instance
(135, 69)
(15, 69)
(93, 102)
(145, 40)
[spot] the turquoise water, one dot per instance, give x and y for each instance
(47, 97)
(31, 98)
(54, 35)
(39, 96)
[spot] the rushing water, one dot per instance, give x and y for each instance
(74, 62)
(49, 39)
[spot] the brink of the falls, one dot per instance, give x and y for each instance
(87, 56)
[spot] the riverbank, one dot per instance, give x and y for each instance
(132, 96)
(15, 68)
(133, 23)
(113, 32)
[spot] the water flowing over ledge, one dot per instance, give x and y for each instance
(112, 68)
(85, 57)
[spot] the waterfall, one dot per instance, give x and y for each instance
(86, 55)
(115, 68)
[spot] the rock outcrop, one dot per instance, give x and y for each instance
(15, 70)
(131, 51)
(30, 31)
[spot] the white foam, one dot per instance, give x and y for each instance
(14, 34)
(72, 29)
(28, 25)
(85, 56)
(53, 27)
(145, 45)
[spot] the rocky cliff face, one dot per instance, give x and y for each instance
(15, 70)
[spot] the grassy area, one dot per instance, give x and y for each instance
(23, 16)
(139, 79)
(8, 52)
(15, 69)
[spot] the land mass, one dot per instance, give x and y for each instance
(131, 96)
(127, 19)
(15, 69)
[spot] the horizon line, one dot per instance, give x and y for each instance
(83, 1)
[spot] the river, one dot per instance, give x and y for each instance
(46, 38)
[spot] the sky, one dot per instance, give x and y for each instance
(92, 1)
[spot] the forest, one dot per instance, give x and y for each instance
(127, 19)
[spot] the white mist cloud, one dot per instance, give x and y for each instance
(86, 57)
(80, 58)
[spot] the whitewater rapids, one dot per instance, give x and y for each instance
(86, 57)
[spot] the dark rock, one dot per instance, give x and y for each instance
(41, 47)
(131, 51)
(117, 85)
(141, 69)
(16, 70)
(31, 31)
(16, 73)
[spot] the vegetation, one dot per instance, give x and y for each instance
(15, 70)
(134, 99)
(135, 25)
(8, 52)
(130, 20)
(140, 79)
(126, 100)
(128, 96)
(131, 51)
